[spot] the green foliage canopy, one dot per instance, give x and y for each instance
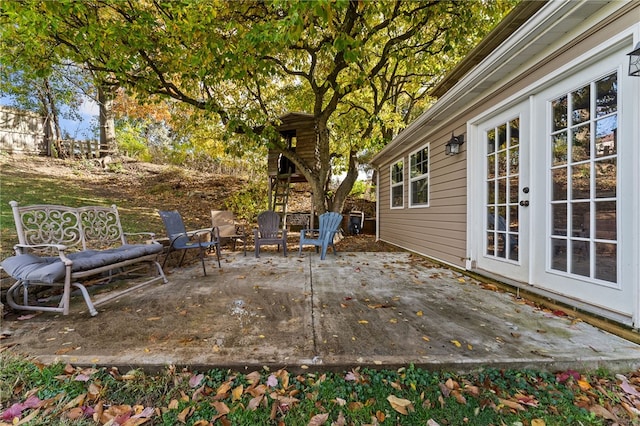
(363, 69)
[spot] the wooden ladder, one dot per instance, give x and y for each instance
(281, 185)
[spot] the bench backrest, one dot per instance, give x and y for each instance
(81, 228)
(101, 227)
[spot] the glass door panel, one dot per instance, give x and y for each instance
(583, 231)
(502, 164)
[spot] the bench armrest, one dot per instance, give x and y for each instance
(20, 247)
(60, 248)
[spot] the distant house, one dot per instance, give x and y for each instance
(545, 191)
(22, 131)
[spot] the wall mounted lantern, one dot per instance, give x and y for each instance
(634, 61)
(453, 146)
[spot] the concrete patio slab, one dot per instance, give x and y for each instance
(353, 309)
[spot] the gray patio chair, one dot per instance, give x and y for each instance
(268, 232)
(322, 237)
(181, 239)
(230, 231)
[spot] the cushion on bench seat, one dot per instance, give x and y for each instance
(28, 267)
(48, 270)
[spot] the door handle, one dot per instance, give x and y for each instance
(524, 203)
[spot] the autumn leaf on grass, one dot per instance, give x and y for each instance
(584, 385)
(319, 419)
(626, 386)
(194, 381)
(78, 400)
(511, 404)
(402, 406)
(221, 408)
(182, 417)
(566, 375)
(254, 403)
(526, 400)
(600, 411)
(236, 394)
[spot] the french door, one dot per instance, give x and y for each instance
(503, 219)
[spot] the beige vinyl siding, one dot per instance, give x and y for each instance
(437, 231)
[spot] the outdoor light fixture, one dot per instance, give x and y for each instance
(634, 61)
(453, 146)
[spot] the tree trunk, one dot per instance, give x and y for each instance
(345, 187)
(53, 134)
(108, 143)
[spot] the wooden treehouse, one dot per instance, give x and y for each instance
(297, 131)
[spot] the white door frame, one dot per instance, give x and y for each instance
(612, 55)
(477, 190)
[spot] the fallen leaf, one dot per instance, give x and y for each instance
(584, 385)
(419, 313)
(538, 422)
(319, 419)
(222, 409)
(78, 400)
(182, 417)
(363, 322)
(402, 406)
(26, 317)
(459, 397)
(426, 339)
(511, 404)
(600, 411)
(455, 342)
(236, 394)
(195, 380)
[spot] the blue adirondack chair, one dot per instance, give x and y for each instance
(181, 239)
(322, 237)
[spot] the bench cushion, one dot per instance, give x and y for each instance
(51, 269)
(34, 268)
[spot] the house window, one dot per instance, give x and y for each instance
(419, 178)
(397, 185)
(583, 174)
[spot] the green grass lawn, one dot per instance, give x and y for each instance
(59, 394)
(34, 188)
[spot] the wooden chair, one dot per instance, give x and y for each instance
(181, 239)
(268, 232)
(229, 230)
(322, 237)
